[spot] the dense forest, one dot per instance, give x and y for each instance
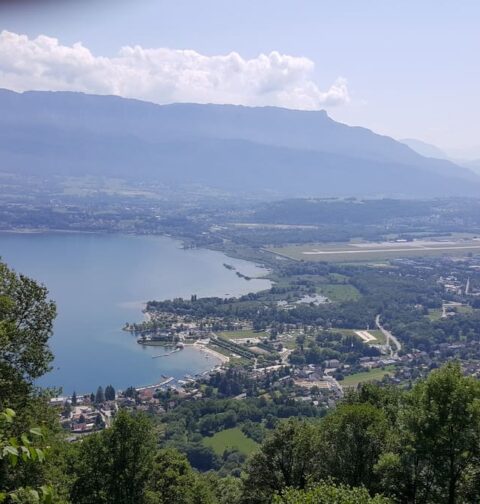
(379, 445)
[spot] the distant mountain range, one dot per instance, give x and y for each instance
(267, 150)
(429, 150)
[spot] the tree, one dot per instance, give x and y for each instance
(74, 398)
(130, 444)
(114, 466)
(90, 471)
(326, 493)
(18, 451)
(435, 455)
(286, 459)
(171, 477)
(130, 392)
(301, 341)
(99, 396)
(26, 321)
(109, 393)
(174, 481)
(67, 409)
(99, 423)
(352, 439)
(228, 490)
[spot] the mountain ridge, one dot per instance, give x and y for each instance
(156, 139)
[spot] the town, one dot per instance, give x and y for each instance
(318, 332)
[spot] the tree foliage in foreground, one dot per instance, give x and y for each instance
(327, 493)
(26, 321)
(115, 465)
(20, 450)
(418, 446)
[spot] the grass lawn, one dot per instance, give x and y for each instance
(381, 340)
(230, 438)
(242, 334)
(291, 344)
(366, 376)
(434, 314)
(339, 292)
(466, 309)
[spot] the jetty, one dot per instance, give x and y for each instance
(157, 385)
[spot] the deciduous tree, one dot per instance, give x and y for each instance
(26, 321)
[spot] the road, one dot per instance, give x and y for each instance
(390, 339)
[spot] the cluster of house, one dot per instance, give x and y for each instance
(312, 375)
(376, 362)
(165, 326)
(453, 285)
(82, 416)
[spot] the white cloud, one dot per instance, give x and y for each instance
(164, 75)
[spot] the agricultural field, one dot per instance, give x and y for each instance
(230, 438)
(378, 251)
(366, 376)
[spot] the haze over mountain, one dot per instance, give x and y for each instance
(432, 151)
(267, 150)
(473, 165)
(425, 149)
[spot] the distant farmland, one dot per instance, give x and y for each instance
(364, 252)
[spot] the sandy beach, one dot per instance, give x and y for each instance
(203, 348)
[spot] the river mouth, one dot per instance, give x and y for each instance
(100, 282)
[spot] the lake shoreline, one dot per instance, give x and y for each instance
(224, 359)
(256, 261)
(81, 271)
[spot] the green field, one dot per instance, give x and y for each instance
(434, 314)
(349, 252)
(465, 310)
(381, 340)
(339, 292)
(230, 438)
(366, 376)
(291, 344)
(242, 334)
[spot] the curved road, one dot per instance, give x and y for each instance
(390, 338)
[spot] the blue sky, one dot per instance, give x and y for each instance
(412, 68)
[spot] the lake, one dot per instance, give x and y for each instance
(99, 282)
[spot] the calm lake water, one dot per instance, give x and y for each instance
(99, 282)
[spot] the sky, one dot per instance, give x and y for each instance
(407, 69)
